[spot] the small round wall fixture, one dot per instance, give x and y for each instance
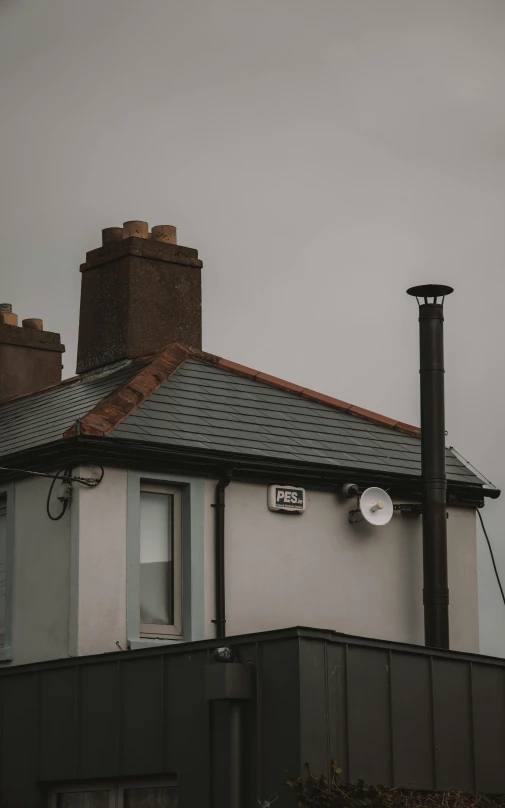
(375, 506)
(223, 654)
(350, 490)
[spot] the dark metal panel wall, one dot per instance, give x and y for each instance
(314, 724)
(139, 715)
(452, 716)
(403, 717)
(280, 717)
(412, 726)
(390, 714)
(142, 713)
(336, 669)
(99, 720)
(488, 692)
(19, 753)
(187, 725)
(58, 699)
(368, 715)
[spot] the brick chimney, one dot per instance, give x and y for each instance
(140, 291)
(30, 358)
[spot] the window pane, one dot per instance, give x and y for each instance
(84, 799)
(156, 568)
(3, 552)
(152, 797)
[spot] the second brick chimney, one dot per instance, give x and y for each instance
(30, 358)
(140, 291)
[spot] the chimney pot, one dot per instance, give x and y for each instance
(8, 318)
(164, 232)
(5, 307)
(112, 234)
(33, 322)
(137, 229)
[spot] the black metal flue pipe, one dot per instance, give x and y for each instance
(434, 479)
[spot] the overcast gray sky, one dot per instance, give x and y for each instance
(322, 155)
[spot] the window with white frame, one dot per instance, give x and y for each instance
(160, 545)
(115, 795)
(3, 567)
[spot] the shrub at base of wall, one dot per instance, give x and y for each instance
(314, 791)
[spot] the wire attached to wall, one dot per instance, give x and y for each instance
(89, 481)
(65, 499)
(492, 555)
(65, 476)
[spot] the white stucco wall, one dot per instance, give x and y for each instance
(317, 570)
(98, 614)
(41, 579)
(70, 579)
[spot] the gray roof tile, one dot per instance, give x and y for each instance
(215, 409)
(203, 406)
(42, 418)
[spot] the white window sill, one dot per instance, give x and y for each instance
(6, 654)
(151, 642)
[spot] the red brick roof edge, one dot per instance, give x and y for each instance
(117, 406)
(113, 409)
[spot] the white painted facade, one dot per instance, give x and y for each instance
(98, 570)
(39, 576)
(70, 590)
(317, 570)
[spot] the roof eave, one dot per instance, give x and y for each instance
(147, 457)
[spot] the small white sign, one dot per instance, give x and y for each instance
(286, 498)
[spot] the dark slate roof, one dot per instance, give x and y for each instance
(187, 400)
(205, 407)
(35, 420)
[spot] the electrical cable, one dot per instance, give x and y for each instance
(492, 555)
(65, 475)
(89, 481)
(67, 471)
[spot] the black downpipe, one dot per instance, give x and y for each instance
(434, 479)
(236, 755)
(229, 682)
(219, 565)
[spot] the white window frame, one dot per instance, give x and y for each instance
(196, 494)
(151, 630)
(115, 788)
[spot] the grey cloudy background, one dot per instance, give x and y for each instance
(322, 155)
